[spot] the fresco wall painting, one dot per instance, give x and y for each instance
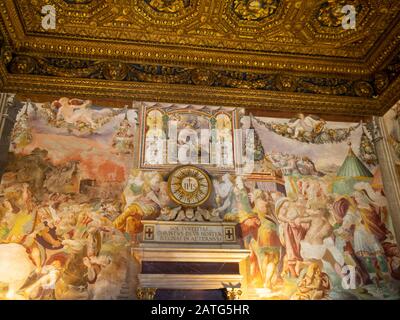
(312, 215)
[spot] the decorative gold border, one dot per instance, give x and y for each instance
(148, 227)
(262, 177)
(161, 53)
(232, 228)
(255, 100)
(144, 110)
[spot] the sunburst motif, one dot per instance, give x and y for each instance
(189, 186)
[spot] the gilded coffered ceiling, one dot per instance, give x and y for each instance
(273, 54)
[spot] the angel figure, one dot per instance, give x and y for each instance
(205, 215)
(302, 126)
(169, 214)
(314, 284)
(78, 113)
(224, 194)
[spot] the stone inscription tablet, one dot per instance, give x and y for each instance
(181, 232)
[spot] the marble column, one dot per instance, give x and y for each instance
(390, 176)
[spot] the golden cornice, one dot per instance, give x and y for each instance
(201, 58)
(204, 40)
(160, 92)
(389, 97)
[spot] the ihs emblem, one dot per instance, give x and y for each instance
(189, 186)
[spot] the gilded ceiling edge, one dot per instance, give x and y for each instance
(30, 43)
(167, 92)
(251, 99)
(388, 92)
(134, 72)
(390, 96)
(22, 42)
(146, 53)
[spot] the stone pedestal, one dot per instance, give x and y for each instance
(190, 256)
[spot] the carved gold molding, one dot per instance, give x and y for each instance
(146, 293)
(134, 72)
(232, 293)
(161, 92)
(389, 97)
(169, 46)
(231, 74)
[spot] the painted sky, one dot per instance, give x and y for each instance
(97, 159)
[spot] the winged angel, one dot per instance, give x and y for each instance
(224, 193)
(76, 115)
(309, 129)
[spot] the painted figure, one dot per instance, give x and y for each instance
(267, 245)
(293, 233)
(314, 285)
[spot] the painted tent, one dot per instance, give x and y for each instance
(353, 170)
